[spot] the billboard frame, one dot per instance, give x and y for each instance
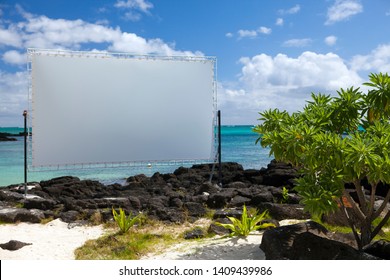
(121, 56)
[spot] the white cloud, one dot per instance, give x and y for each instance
(283, 82)
(13, 98)
(133, 8)
(297, 42)
(132, 43)
(279, 22)
(330, 40)
(44, 32)
(133, 16)
(290, 11)
(388, 13)
(229, 35)
(247, 33)
(343, 10)
(22, 12)
(264, 30)
(234, 93)
(14, 57)
(141, 5)
(253, 33)
(10, 37)
(377, 61)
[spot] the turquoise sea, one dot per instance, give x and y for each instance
(238, 144)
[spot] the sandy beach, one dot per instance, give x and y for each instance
(52, 241)
(58, 241)
(217, 248)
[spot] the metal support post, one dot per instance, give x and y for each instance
(219, 150)
(25, 151)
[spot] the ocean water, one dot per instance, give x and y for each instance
(238, 145)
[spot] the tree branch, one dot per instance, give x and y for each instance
(360, 195)
(381, 224)
(356, 209)
(351, 225)
(372, 202)
(382, 207)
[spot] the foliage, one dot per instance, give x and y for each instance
(337, 140)
(247, 223)
(124, 223)
(378, 100)
(285, 196)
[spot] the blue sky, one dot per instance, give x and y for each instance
(269, 53)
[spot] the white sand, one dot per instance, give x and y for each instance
(57, 241)
(52, 241)
(217, 248)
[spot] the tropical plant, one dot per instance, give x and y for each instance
(124, 222)
(247, 223)
(337, 141)
(378, 99)
(285, 196)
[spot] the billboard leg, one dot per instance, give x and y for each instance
(25, 152)
(218, 157)
(219, 150)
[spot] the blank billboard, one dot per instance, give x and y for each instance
(90, 108)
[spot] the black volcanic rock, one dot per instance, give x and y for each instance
(13, 245)
(172, 197)
(6, 137)
(279, 174)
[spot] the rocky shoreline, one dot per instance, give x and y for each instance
(8, 137)
(184, 195)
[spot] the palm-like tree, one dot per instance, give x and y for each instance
(378, 98)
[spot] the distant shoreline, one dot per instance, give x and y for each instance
(8, 137)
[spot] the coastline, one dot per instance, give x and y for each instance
(238, 145)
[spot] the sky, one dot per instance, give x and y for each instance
(270, 53)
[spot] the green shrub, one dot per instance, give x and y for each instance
(247, 223)
(124, 223)
(285, 196)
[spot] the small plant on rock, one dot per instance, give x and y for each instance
(285, 196)
(247, 223)
(124, 222)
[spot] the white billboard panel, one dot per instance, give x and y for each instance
(90, 108)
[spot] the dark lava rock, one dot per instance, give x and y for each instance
(277, 242)
(194, 234)
(308, 246)
(39, 203)
(5, 137)
(219, 230)
(70, 216)
(279, 174)
(221, 199)
(13, 245)
(308, 241)
(380, 249)
(284, 211)
(173, 197)
(13, 215)
(195, 209)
